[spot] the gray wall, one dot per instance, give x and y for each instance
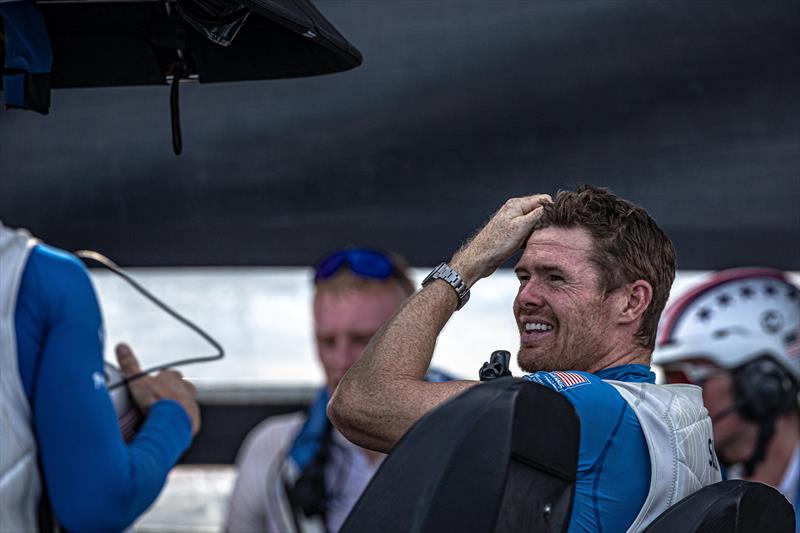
(691, 109)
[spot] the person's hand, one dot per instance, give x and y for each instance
(166, 385)
(504, 234)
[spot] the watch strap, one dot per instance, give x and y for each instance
(446, 273)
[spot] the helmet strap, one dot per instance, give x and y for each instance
(765, 433)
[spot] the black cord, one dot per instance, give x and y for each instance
(765, 433)
(175, 111)
(113, 267)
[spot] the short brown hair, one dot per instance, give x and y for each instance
(628, 245)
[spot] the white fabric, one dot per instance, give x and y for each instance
(258, 499)
(20, 484)
(679, 438)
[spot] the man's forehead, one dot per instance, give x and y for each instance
(363, 293)
(557, 246)
(575, 239)
(337, 309)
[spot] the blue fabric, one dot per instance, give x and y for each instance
(434, 375)
(309, 440)
(95, 481)
(613, 459)
(27, 47)
(14, 89)
(796, 504)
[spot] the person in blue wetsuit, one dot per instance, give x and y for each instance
(57, 408)
(594, 276)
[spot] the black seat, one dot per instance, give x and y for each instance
(732, 506)
(501, 457)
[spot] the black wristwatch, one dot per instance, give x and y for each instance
(446, 273)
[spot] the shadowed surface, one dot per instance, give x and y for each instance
(689, 109)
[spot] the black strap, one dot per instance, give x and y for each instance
(308, 495)
(765, 433)
(175, 113)
(179, 69)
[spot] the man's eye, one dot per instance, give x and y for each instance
(523, 279)
(362, 340)
(326, 341)
(556, 278)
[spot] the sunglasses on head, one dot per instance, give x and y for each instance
(361, 261)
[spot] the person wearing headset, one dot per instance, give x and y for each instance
(736, 334)
(63, 459)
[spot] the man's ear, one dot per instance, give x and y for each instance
(635, 299)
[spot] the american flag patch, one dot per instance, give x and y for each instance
(557, 380)
(569, 379)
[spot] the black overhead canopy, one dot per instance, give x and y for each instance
(137, 42)
(691, 109)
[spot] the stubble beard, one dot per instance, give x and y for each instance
(581, 351)
(549, 361)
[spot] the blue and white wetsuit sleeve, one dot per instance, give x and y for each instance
(95, 481)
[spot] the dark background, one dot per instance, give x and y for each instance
(691, 109)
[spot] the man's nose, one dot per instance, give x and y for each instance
(530, 295)
(347, 352)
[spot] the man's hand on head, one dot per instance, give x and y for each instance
(384, 393)
(504, 234)
(166, 385)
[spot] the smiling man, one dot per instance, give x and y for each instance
(594, 276)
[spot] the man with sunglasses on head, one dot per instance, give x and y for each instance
(737, 335)
(594, 275)
(297, 472)
(64, 460)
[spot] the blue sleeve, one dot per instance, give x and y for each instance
(95, 481)
(613, 461)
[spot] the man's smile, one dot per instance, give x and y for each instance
(533, 329)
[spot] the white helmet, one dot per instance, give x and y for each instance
(733, 317)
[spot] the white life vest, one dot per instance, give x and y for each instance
(680, 440)
(20, 483)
